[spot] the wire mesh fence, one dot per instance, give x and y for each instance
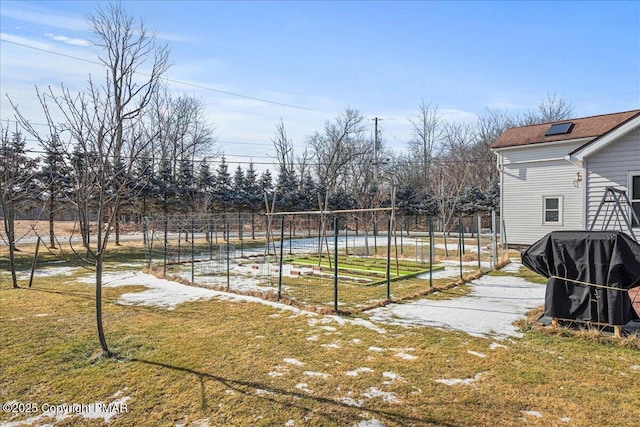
(341, 262)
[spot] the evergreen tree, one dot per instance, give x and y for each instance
(341, 200)
(165, 188)
(55, 181)
(254, 196)
(185, 189)
(288, 196)
(309, 193)
(239, 195)
(204, 184)
(222, 197)
(471, 201)
(142, 185)
(17, 186)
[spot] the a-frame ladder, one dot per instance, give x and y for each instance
(621, 205)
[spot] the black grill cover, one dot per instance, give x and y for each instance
(605, 258)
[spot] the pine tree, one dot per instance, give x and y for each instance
(17, 186)
(222, 197)
(204, 184)
(55, 181)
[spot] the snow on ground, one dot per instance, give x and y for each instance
(490, 309)
(48, 272)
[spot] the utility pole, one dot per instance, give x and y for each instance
(375, 150)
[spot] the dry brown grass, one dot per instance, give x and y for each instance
(230, 363)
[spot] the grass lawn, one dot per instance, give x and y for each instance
(219, 363)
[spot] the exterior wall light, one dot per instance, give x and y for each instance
(577, 182)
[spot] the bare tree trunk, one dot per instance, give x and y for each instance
(52, 236)
(101, 337)
(117, 225)
(9, 227)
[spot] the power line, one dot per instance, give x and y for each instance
(253, 98)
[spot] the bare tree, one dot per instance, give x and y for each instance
(427, 129)
(552, 109)
(284, 149)
(343, 141)
(454, 168)
(105, 128)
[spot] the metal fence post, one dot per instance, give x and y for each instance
(193, 248)
(431, 252)
(280, 261)
(335, 264)
(460, 244)
(388, 272)
(228, 250)
(479, 225)
(494, 238)
(166, 232)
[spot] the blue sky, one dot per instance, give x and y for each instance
(383, 58)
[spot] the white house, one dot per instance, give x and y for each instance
(553, 176)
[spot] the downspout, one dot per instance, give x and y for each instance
(500, 166)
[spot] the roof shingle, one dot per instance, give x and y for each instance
(586, 127)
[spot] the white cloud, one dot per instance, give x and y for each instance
(69, 40)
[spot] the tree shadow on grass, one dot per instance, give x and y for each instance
(249, 388)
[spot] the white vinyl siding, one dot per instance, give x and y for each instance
(524, 189)
(612, 167)
(538, 153)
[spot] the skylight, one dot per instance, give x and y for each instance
(559, 129)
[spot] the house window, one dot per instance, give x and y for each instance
(634, 191)
(552, 206)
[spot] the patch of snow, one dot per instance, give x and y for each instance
(456, 381)
(316, 374)
(48, 272)
(405, 356)
(490, 309)
(304, 387)
(512, 267)
(635, 367)
(293, 361)
(532, 413)
(312, 338)
(386, 396)
(376, 349)
(290, 423)
(565, 419)
(168, 294)
(392, 376)
(355, 372)
(262, 392)
(369, 423)
(349, 401)
(332, 345)
(357, 321)
(475, 353)
(495, 345)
